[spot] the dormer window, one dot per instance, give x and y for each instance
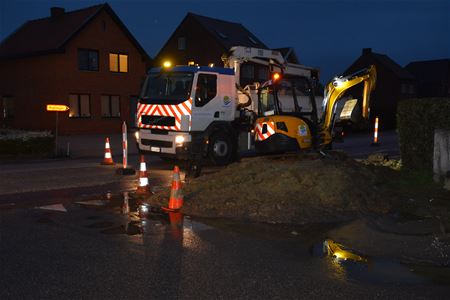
(252, 40)
(221, 34)
(182, 43)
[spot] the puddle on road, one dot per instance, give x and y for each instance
(141, 218)
(372, 270)
(103, 224)
(375, 270)
(131, 228)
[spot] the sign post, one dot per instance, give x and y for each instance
(57, 108)
(124, 144)
(125, 170)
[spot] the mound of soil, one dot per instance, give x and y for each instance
(303, 188)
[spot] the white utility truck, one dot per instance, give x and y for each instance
(196, 112)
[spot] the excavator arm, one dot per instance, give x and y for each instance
(336, 88)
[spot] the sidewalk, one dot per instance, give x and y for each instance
(93, 145)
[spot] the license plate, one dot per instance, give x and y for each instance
(155, 149)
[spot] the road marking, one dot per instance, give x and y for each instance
(7, 204)
(92, 202)
(56, 207)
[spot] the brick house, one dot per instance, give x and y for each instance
(433, 77)
(394, 83)
(86, 59)
(187, 44)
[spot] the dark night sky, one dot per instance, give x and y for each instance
(328, 34)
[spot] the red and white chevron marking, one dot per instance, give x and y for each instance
(166, 110)
(270, 130)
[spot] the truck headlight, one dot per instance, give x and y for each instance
(179, 139)
(136, 134)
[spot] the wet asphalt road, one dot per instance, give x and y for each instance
(94, 251)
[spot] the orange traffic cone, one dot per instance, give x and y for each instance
(176, 195)
(108, 157)
(143, 187)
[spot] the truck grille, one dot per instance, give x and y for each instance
(158, 120)
(155, 143)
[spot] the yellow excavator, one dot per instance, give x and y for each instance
(287, 111)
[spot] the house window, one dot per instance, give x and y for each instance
(110, 106)
(181, 43)
(80, 105)
(118, 62)
(87, 60)
(8, 107)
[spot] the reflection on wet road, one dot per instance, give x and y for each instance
(96, 249)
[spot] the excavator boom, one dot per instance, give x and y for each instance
(336, 88)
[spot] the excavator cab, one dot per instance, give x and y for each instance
(287, 115)
(287, 112)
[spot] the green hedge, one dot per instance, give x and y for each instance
(416, 121)
(38, 145)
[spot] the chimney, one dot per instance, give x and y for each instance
(56, 11)
(366, 51)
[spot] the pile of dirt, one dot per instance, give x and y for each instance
(383, 160)
(296, 189)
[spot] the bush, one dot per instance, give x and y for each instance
(417, 120)
(23, 142)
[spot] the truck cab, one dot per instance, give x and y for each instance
(181, 110)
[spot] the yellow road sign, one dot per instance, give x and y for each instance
(57, 107)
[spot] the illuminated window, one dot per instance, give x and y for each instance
(110, 106)
(87, 60)
(80, 105)
(7, 107)
(118, 62)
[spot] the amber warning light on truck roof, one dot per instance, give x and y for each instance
(57, 107)
(276, 76)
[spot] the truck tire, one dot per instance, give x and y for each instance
(220, 150)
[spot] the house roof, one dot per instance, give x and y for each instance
(288, 54)
(430, 70)
(393, 66)
(384, 60)
(51, 34)
(228, 34)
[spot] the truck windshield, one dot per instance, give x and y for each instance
(167, 88)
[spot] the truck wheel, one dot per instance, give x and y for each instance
(220, 149)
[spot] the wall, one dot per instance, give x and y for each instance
(197, 38)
